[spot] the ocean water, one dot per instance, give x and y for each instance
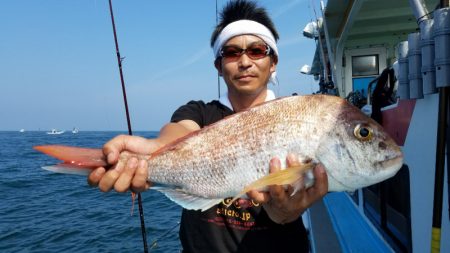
(41, 211)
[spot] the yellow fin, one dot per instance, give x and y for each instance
(287, 176)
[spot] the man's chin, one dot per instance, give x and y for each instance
(248, 89)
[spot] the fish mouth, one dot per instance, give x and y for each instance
(389, 168)
(396, 161)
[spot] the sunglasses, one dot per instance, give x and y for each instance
(254, 52)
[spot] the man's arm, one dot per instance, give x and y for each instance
(133, 175)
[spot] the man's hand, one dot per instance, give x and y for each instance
(123, 176)
(134, 174)
(280, 205)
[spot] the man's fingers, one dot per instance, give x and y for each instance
(112, 148)
(275, 165)
(123, 182)
(95, 176)
(140, 183)
(320, 187)
(277, 192)
(259, 197)
(281, 193)
(321, 184)
(110, 177)
(121, 176)
(135, 144)
(292, 160)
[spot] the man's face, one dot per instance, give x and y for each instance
(244, 75)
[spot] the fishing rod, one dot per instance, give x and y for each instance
(218, 75)
(130, 132)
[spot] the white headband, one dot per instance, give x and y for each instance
(241, 27)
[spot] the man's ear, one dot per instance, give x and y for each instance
(275, 59)
(273, 63)
(218, 65)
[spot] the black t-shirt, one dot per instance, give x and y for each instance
(242, 227)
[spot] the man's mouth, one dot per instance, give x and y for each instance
(245, 77)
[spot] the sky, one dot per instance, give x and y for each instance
(58, 66)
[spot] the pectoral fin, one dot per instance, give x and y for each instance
(290, 176)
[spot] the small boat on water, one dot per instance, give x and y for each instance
(22, 130)
(55, 131)
(75, 130)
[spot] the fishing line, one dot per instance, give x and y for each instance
(119, 61)
(155, 242)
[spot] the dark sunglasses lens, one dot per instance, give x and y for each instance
(257, 51)
(254, 52)
(231, 52)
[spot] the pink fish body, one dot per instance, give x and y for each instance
(225, 159)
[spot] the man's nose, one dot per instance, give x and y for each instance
(245, 61)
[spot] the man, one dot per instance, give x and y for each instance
(246, 55)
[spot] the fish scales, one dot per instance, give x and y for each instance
(232, 156)
(225, 157)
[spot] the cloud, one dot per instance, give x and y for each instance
(196, 57)
(292, 40)
(285, 8)
(188, 62)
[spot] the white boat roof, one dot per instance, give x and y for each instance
(363, 19)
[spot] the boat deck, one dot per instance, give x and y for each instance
(336, 225)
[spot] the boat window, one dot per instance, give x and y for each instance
(365, 68)
(365, 65)
(387, 205)
(361, 87)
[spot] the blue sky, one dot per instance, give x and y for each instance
(58, 67)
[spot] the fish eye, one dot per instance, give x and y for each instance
(363, 133)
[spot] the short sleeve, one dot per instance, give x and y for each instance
(201, 113)
(194, 110)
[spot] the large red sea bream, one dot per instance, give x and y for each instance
(232, 156)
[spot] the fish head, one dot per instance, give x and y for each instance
(356, 151)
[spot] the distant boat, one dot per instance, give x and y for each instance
(75, 130)
(22, 130)
(54, 131)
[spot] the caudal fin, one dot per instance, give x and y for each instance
(75, 160)
(66, 168)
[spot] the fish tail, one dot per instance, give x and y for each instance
(290, 176)
(76, 160)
